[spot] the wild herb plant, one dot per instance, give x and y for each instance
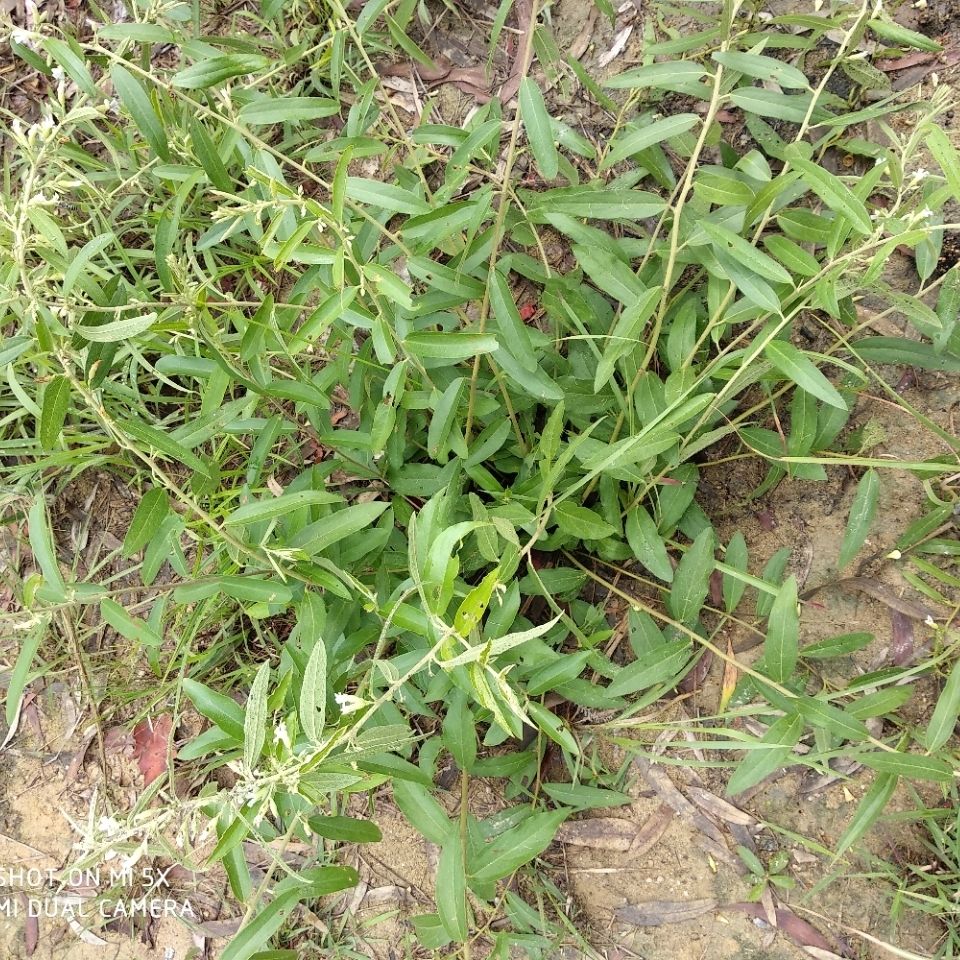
(201, 275)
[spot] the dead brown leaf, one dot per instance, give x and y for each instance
(582, 40)
(31, 929)
(903, 649)
(151, 738)
(879, 591)
(526, 21)
(653, 829)
(717, 807)
(663, 786)
(471, 80)
(901, 63)
(803, 934)
(599, 833)
(656, 913)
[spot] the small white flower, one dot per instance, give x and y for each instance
(925, 214)
(878, 160)
(894, 555)
(930, 622)
(108, 826)
(282, 735)
(348, 703)
(21, 36)
(918, 175)
(58, 74)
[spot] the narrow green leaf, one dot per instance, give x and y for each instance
(647, 544)
(386, 196)
(658, 666)
(691, 579)
(272, 110)
(783, 628)
(73, 65)
(839, 646)
(56, 401)
(224, 712)
(318, 536)
(869, 809)
(215, 70)
(746, 253)
(736, 557)
(450, 346)
(135, 100)
(779, 106)
(513, 332)
(117, 330)
(29, 646)
(626, 334)
(147, 520)
(635, 139)
(313, 693)
(460, 732)
(581, 522)
(910, 765)
(903, 37)
(834, 193)
(944, 719)
(763, 68)
(418, 805)
(270, 509)
(255, 719)
(451, 889)
(945, 154)
(797, 367)
(665, 75)
(131, 628)
(345, 829)
(774, 752)
(536, 121)
(41, 543)
(753, 287)
(83, 256)
(862, 511)
(903, 352)
(512, 849)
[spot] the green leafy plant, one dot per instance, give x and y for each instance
(381, 486)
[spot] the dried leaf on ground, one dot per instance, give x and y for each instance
(31, 929)
(526, 22)
(599, 833)
(717, 807)
(670, 795)
(620, 41)
(471, 80)
(879, 591)
(903, 649)
(151, 738)
(656, 913)
(803, 934)
(653, 829)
